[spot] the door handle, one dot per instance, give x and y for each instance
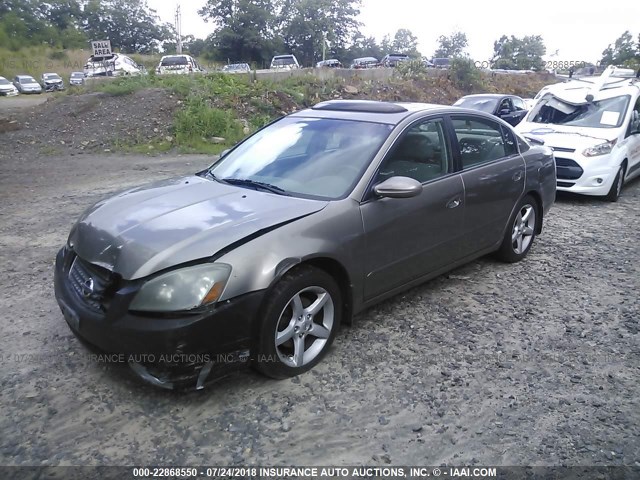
(454, 203)
(517, 176)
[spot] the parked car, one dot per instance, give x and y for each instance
(393, 59)
(331, 63)
(441, 62)
(594, 127)
(284, 62)
(178, 65)
(26, 84)
(52, 82)
(114, 65)
(7, 88)
(365, 62)
(76, 78)
(307, 222)
(237, 68)
(510, 108)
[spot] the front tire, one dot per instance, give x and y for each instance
(299, 323)
(521, 231)
(616, 187)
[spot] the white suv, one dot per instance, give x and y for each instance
(593, 125)
(178, 64)
(284, 62)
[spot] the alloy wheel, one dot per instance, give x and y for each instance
(304, 326)
(523, 229)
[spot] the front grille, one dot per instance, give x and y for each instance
(567, 169)
(563, 149)
(90, 283)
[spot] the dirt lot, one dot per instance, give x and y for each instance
(529, 364)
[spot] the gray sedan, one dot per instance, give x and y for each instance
(259, 259)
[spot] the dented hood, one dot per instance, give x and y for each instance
(148, 229)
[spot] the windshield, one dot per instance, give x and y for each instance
(283, 61)
(171, 61)
(4, 81)
(77, 74)
(52, 76)
(27, 80)
(607, 113)
(483, 104)
(308, 157)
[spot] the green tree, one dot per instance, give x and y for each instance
(304, 23)
(131, 25)
(452, 45)
(405, 42)
(362, 46)
(519, 53)
(244, 29)
(624, 51)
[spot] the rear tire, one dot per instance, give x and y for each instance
(521, 231)
(616, 187)
(299, 322)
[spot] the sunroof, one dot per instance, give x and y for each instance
(360, 106)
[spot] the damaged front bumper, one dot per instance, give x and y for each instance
(174, 351)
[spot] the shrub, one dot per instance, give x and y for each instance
(464, 74)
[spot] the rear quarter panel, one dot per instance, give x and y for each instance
(541, 174)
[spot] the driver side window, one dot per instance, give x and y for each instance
(422, 153)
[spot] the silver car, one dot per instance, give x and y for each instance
(258, 259)
(26, 84)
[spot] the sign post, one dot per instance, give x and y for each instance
(102, 48)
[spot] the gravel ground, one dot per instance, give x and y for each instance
(529, 364)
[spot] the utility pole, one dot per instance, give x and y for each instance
(179, 29)
(324, 46)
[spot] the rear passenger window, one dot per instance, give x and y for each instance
(480, 140)
(422, 153)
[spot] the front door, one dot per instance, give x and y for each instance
(410, 237)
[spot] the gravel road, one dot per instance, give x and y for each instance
(529, 364)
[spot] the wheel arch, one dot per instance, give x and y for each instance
(332, 267)
(538, 198)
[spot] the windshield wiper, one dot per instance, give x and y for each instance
(257, 185)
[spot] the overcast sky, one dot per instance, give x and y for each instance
(578, 30)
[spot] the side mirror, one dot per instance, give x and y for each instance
(505, 111)
(398, 187)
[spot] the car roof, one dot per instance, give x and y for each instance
(288, 55)
(370, 110)
(24, 76)
(490, 95)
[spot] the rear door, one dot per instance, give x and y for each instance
(407, 238)
(493, 173)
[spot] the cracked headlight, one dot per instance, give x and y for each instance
(183, 289)
(601, 149)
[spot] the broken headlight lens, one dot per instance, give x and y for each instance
(183, 289)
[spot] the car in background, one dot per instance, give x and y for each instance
(27, 84)
(365, 62)
(178, 65)
(331, 63)
(443, 63)
(114, 65)
(7, 88)
(76, 78)
(284, 62)
(354, 201)
(236, 68)
(510, 108)
(52, 82)
(393, 59)
(593, 125)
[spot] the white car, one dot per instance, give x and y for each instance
(7, 88)
(26, 84)
(593, 126)
(112, 66)
(178, 65)
(284, 62)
